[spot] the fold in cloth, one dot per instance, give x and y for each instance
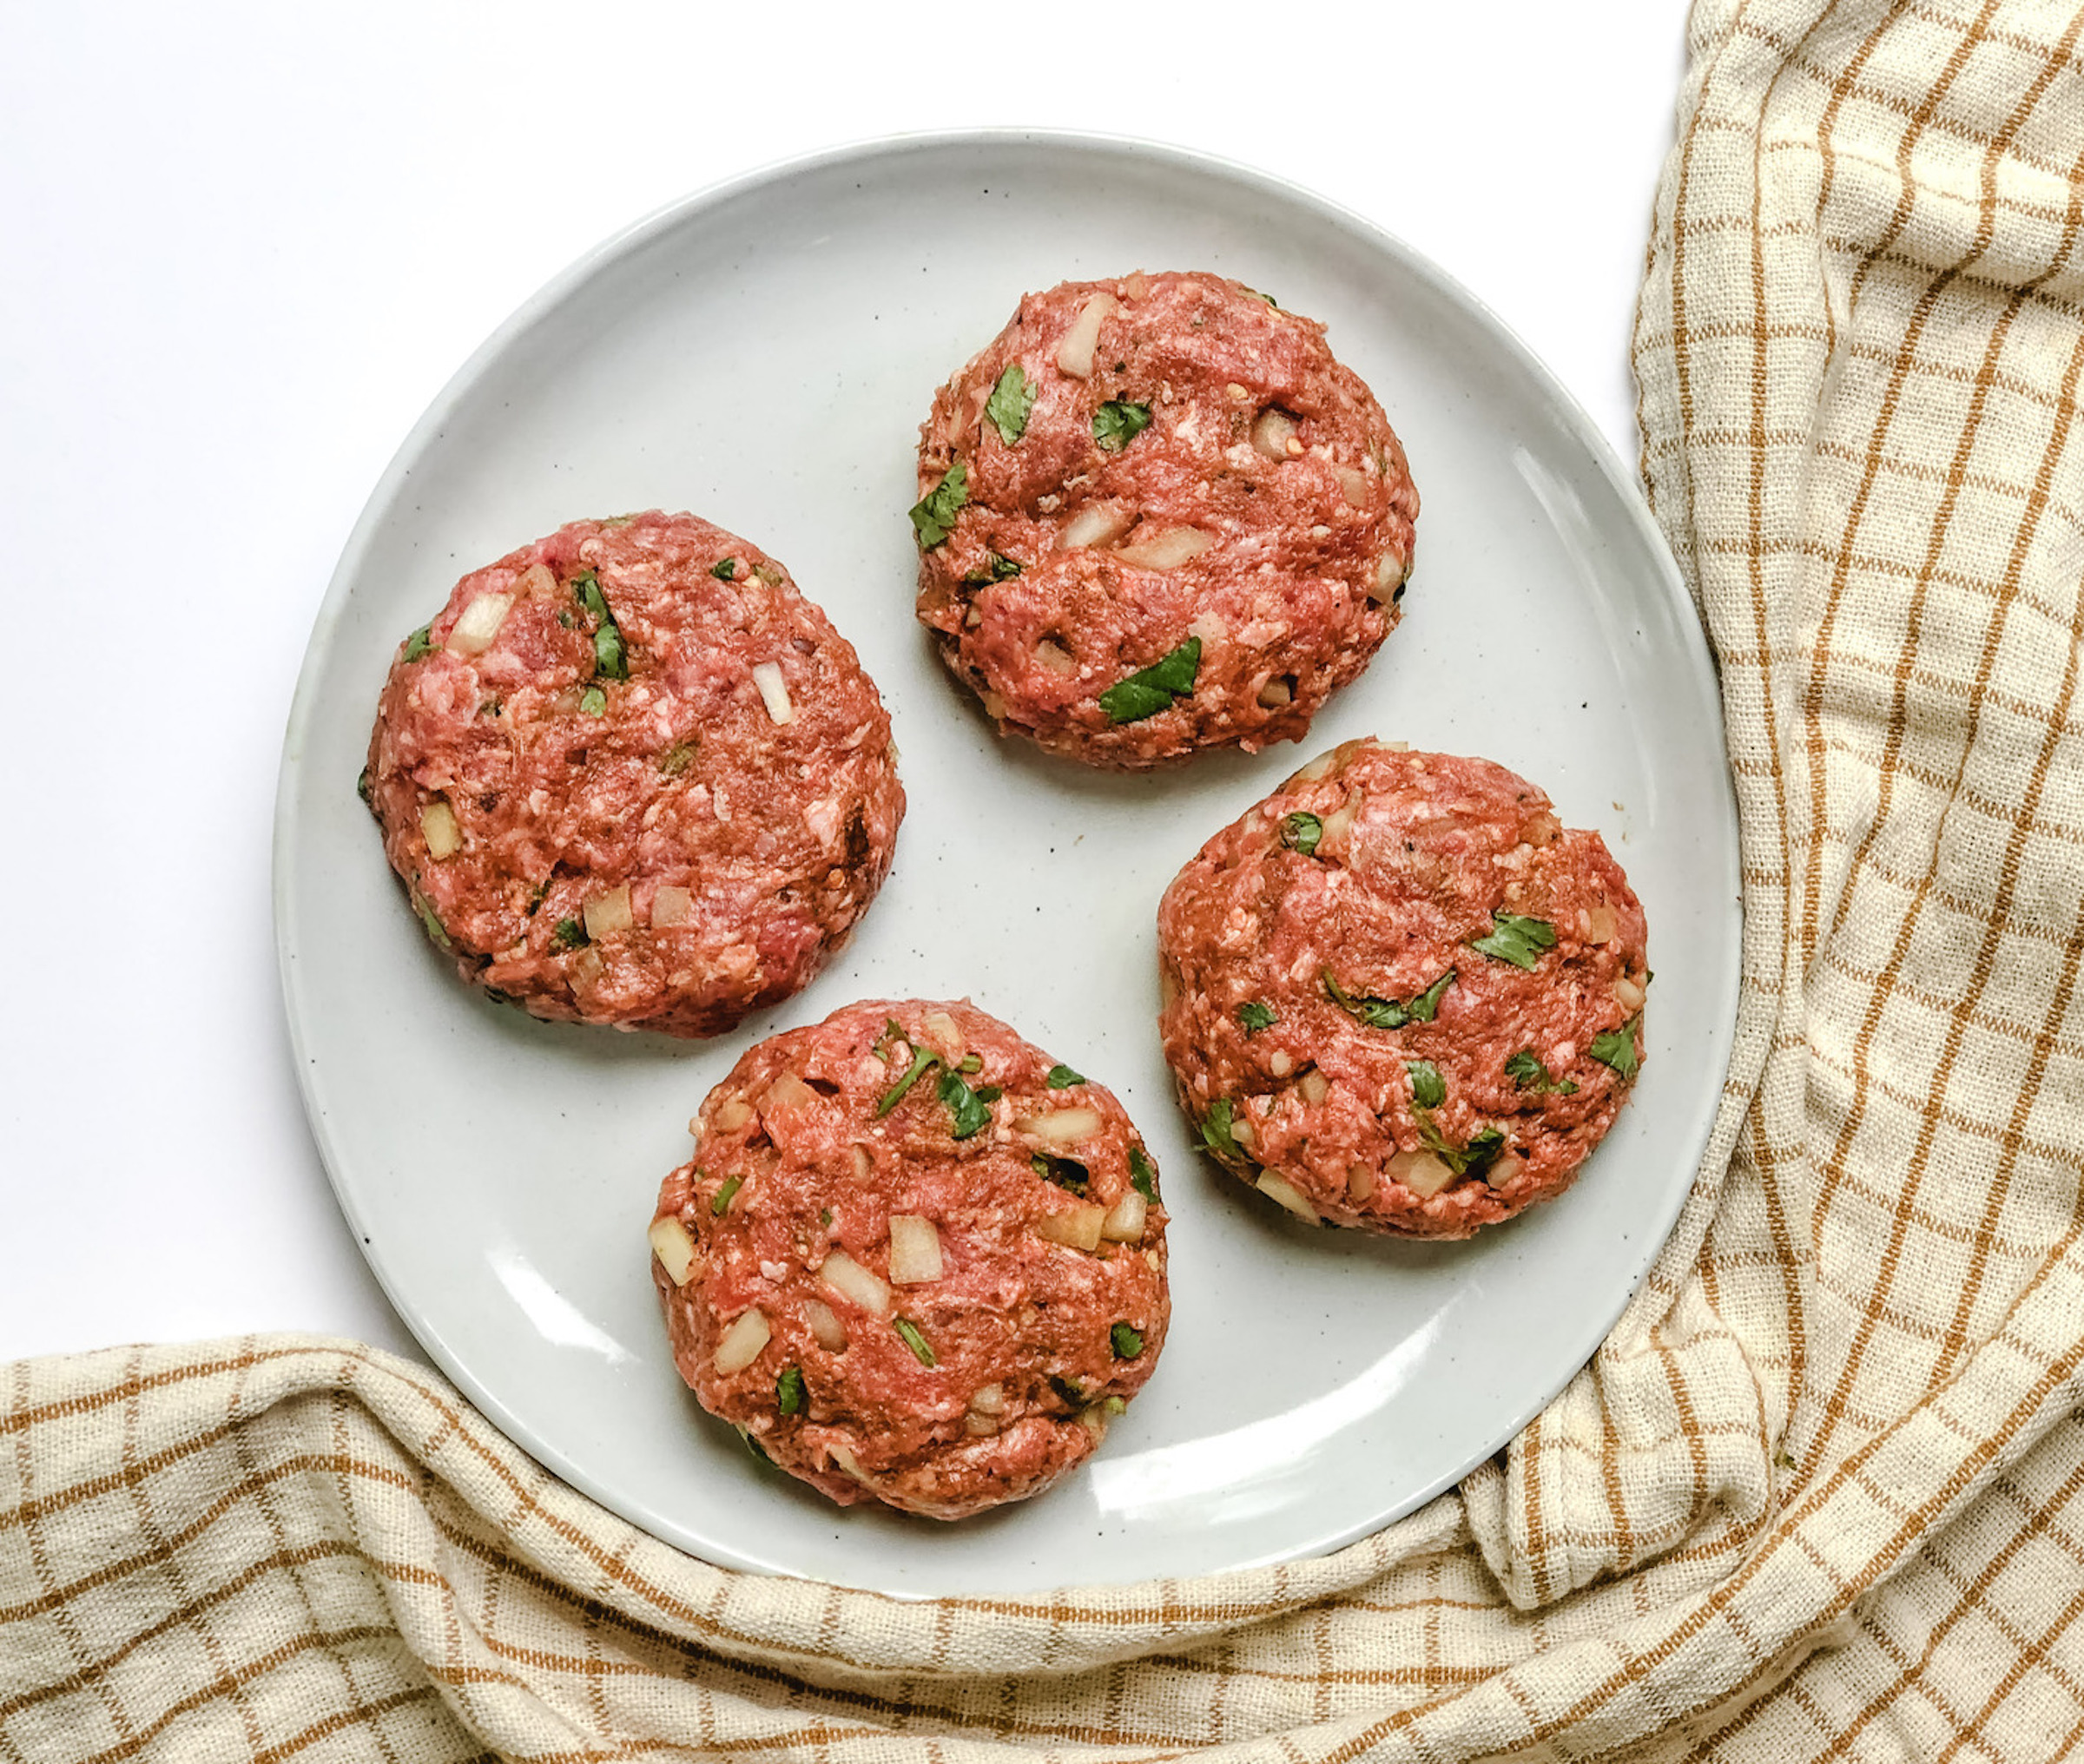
(1821, 1492)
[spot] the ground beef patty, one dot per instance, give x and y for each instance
(912, 1260)
(1401, 995)
(1158, 516)
(630, 775)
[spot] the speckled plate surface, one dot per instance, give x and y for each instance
(763, 354)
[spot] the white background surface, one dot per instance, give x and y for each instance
(246, 244)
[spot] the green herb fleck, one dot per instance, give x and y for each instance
(1784, 1458)
(1143, 1173)
(489, 708)
(892, 1033)
(1070, 1389)
(1527, 1073)
(593, 701)
(997, 568)
(754, 1446)
(610, 656)
(1616, 1048)
(824, 1217)
(1470, 1159)
(1116, 423)
(971, 1062)
(431, 921)
(1268, 299)
(569, 935)
(989, 1093)
(1515, 939)
(1061, 1078)
(361, 785)
(1128, 1342)
(1429, 1089)
(788, 1390)
(1216, 1128)
(725, 570)
(1301, 831)
(417, 645)
(720, 1202)
(1370, 1011)
(921, 1058)
(909, 1330)
(970, 1113)
(1011, 400)
(676, 759)
(1066, 1172)
(1426, 1006)
(494, 995)
(1256, 1015)
(1115, 1405)
(1154, 688)
(933, 514)
(564, 618)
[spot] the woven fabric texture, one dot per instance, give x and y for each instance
(1822, 1493)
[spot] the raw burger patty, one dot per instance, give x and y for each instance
(1401, 995)
(1158, 516)
(630, 775)
(912, 1260)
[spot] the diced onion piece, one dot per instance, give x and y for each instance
(1244, 1133)
(1601, 924)
(740, 1344)
(437, 822)
(1332, 841)
(1074, 353)
(1168, 987)
(1285, 1194)
(787, 1091)
(1134, 286)
(1360, 1181)
(978, 1426)
(1315, 1086)
(1353, 486)
(1280, 1062)
(606, 914)
(773, 691)
(989, 1399)
(1390, 576)
(941, 1028)
(1629, 995)
(994, 706)
(863, 1164)
(850, 1279)
(534, 580)
(1166, 549)
(1077, 1227)
(674, 1248)
(1094, 1418)
(1541, 829)
(1421, 1172)
(473, 633)
(1061, 1125)
(850, 1465)
(1272, 430)
(1095, 523)
(1055, 657)
(1275, 694)
(585, 969)
(732, 1113)
(1125, 1220)
(825, 1325)
(914, 1250)
(1317, 768)
(671, 906)
(1504, 1168)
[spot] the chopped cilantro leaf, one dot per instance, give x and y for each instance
(998, 567)
(1061, 1078)
(676, 759)
(1515, 939)
(788, 1390)
(1216, 1128)
(890, 1032)
(1011, 400)
(933, 514)
(431, 921)
(989, 1093)
(1429, 1089)
(971, 1062)
(1426, 1006)
(1116, 423)
(1256, 1015)
(1143, 1173)
(1301, 831)
(909, 1330)
(720, 1202)
(361, 785)
(609, 658)
(1268, 299)
(824, 1217)
(1154, 688)
(1128, 1342)
(971, 1114)
(569, 935)
(1616, 1048)
(725, 570)
(1527, 1073)
(1066, 1172)
(417, 645)
(593, 701)
(921, 1058)
(1369, 1011)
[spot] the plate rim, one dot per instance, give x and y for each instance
(686, 209)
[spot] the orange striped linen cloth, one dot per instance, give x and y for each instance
(1822, 1493)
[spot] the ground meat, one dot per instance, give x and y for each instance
(630, 775)
(1400, 995)
(933, 1293)
(1158, 516)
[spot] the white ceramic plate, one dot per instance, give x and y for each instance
(763, 354)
